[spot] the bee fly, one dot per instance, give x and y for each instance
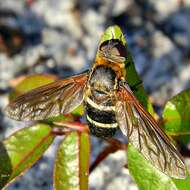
(100, 95)
(109, 104)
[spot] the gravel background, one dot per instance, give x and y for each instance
(61, 37)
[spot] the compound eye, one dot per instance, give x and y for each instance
(103, 46)
(119, 50)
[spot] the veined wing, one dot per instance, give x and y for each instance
(146, 136)
(59, 97)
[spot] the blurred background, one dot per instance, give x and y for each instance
(61, 37)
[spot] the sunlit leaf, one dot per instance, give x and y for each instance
(146, 175)
(72, 162)
(182, 184)
(22, 149)
(78, 111)
(176, 115)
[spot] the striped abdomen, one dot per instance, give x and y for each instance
(100, 111)
(101, 123)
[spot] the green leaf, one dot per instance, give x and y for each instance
(176, 115)
(71, 169)
(79, 111)
(146, 175)
(183, 184)
(22, 149)
(132, 77)
(30, 83)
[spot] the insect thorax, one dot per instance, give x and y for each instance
(100, 110)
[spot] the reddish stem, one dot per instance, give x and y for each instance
(73, 125)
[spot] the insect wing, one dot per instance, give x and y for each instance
(146, 136)
(60, 97)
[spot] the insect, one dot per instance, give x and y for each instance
(109, 103)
